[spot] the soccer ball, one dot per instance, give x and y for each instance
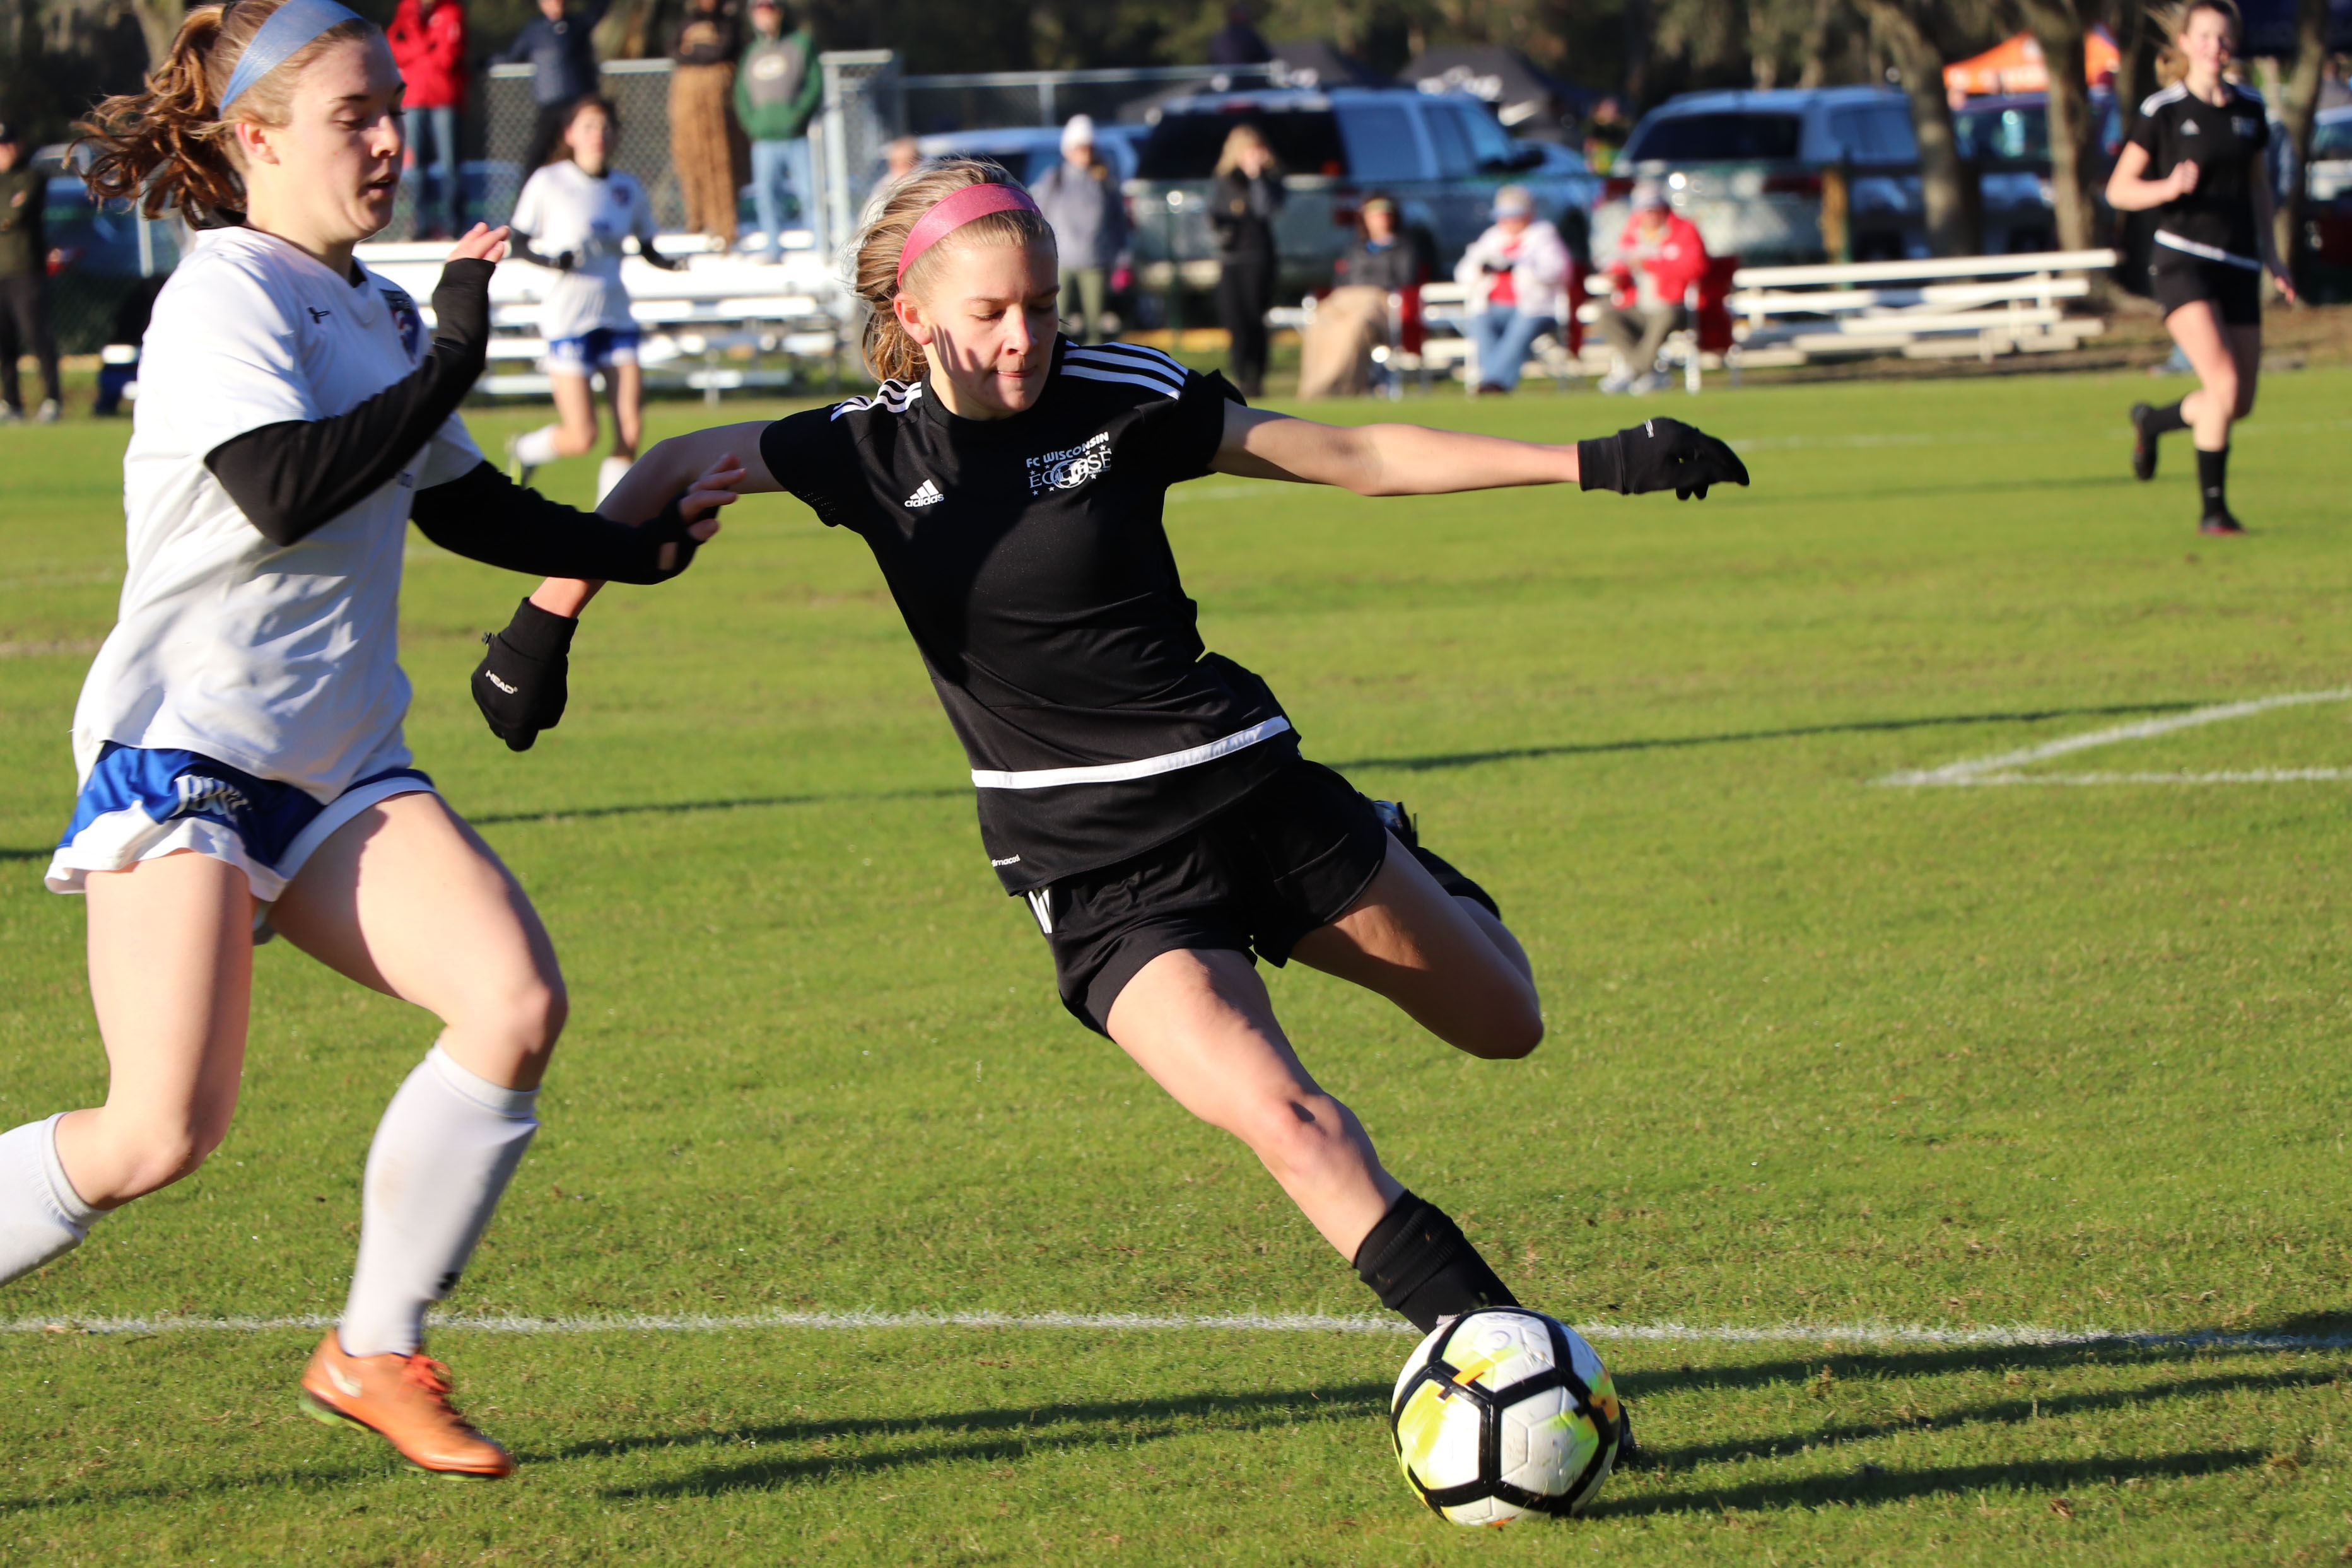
(1505, 1412)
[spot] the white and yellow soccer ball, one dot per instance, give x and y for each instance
(1505, 1412)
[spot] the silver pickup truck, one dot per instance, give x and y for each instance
(1440, 155)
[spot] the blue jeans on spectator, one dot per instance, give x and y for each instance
(1502, 333)
(777, 167)
(433, 143)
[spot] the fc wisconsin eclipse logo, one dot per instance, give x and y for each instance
(1067, 470)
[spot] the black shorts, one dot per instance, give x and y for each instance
(1288, 857)
(2177, 279)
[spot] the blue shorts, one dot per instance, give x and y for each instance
(137, 804)
(600, 350)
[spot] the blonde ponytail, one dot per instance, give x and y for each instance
(166, 146)
(890, 352)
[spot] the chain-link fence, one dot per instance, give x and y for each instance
(640, 93)
(865, 110)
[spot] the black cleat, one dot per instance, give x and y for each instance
(2143, 443)
(1629, 1452)
(2221, 522)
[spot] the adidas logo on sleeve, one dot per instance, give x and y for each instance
(926, 494)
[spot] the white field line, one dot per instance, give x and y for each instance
(1853, 441)
(42, 649)
(2003, 769)
(2021, 1335)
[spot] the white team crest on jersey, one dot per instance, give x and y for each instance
(404, 316)
(927, 494)
(1070, 470)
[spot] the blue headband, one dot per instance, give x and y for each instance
(290, 26)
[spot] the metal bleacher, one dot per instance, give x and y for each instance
(723, 323)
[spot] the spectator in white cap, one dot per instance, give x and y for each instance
(1514, 273)
(1080, 198)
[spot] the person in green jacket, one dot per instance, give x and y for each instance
(777, 90)
(25, 260)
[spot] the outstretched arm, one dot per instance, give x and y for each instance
(667, 468)
(1411, 459)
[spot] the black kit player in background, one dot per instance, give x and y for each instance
(1146, 797)
(2195, 157)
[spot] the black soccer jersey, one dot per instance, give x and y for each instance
(2225, 141)
(1029, 559)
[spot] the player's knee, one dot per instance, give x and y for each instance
(1294, 1134)
(2244, 405)
(2222, 387)
(1513, 1031)
(524, 1017)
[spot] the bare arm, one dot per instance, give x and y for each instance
(2128, 189)
(1384, 459)
(668, 468)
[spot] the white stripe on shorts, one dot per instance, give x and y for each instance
(1120, 772)
(2209, 252)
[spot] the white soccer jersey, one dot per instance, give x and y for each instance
(280, 661)
(564, 207)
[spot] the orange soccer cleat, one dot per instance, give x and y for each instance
(404, 1400)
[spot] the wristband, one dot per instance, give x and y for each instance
(540, 634)
(1600, 464)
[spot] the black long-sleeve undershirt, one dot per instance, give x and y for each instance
(293, 477)
(486, 516)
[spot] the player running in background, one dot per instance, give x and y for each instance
(240, 736)
(572, 216)
(1146, 799)
(2195, 157)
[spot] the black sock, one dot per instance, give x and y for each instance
(1420, 1264)
(2167, 418)
(2213, 480)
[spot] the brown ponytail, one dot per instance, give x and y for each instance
(166, 145)
(2171, 64)
(890, 353)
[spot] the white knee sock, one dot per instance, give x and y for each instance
(41, 1216)
(448, 1143)
(536, 448)
(608, 474)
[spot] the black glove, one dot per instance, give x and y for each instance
(566, 260)
(1659, 455)
(519, 686)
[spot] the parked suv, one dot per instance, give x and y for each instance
(1441, 155)
(1745, 169)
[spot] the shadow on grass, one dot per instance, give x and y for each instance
(1896, 1485)
(1406, 764)
(1737, 737)
(1002, 1433)
(2001, 1411)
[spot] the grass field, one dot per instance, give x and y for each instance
(1932, 1083)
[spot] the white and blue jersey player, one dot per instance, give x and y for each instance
(575, 216)
(238, 739)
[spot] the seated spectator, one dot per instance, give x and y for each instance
(1336, 360)
(1659, 256)
(1514, 273)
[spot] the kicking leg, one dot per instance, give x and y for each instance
(407, 900)
(1201, 1023)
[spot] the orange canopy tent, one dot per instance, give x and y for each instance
(2015, 65)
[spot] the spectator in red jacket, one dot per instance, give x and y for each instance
(428, 42)
(1659, 256)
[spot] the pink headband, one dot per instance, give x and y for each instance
(957, 210)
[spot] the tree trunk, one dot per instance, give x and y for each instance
(2298, 111)
(1637, 19)
(159, 24)
(2137, 39)
(1817, 46)
(1943, 181)
(2061, 28)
